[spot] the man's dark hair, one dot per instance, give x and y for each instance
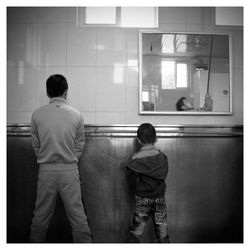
(180, 103)
(146, 133)
(56, 85)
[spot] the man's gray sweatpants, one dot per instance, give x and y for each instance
(67, 184)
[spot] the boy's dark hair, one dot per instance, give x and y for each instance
(180, 103)
(146, 133)
(56, 85)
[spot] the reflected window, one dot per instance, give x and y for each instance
(182, 77)
(168, 41)
(174, 74)
(168, 75)
(145, 96)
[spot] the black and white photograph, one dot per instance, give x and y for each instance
(124, 124)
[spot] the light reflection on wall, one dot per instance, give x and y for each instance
(20, 72)
(100, 47)
(29, 46)
(118, 73)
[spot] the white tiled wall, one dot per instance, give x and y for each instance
(81, 46)
(82, 94)
(51, 44)
(100, 63)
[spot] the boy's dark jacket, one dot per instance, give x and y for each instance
(147, 175)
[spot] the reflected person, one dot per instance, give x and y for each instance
(58, 139)
(184, 105)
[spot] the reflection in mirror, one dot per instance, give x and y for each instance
(185, 72)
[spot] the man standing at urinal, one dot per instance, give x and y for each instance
(58, 139)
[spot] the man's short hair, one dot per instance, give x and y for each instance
(179, 104)
(146, 133)
(56, 85)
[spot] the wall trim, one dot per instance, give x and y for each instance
(119, 130)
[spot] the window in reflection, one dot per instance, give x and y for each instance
(168, 75)
(145, 97)
(168, 43)
(174, 75)
(181, 43)
(182, 79)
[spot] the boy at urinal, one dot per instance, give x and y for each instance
(58, 139)
(146, 174)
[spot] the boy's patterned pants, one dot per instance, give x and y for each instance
(156, 208)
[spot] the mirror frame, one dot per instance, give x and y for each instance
(142, 112)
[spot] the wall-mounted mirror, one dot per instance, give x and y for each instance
(184, 73)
